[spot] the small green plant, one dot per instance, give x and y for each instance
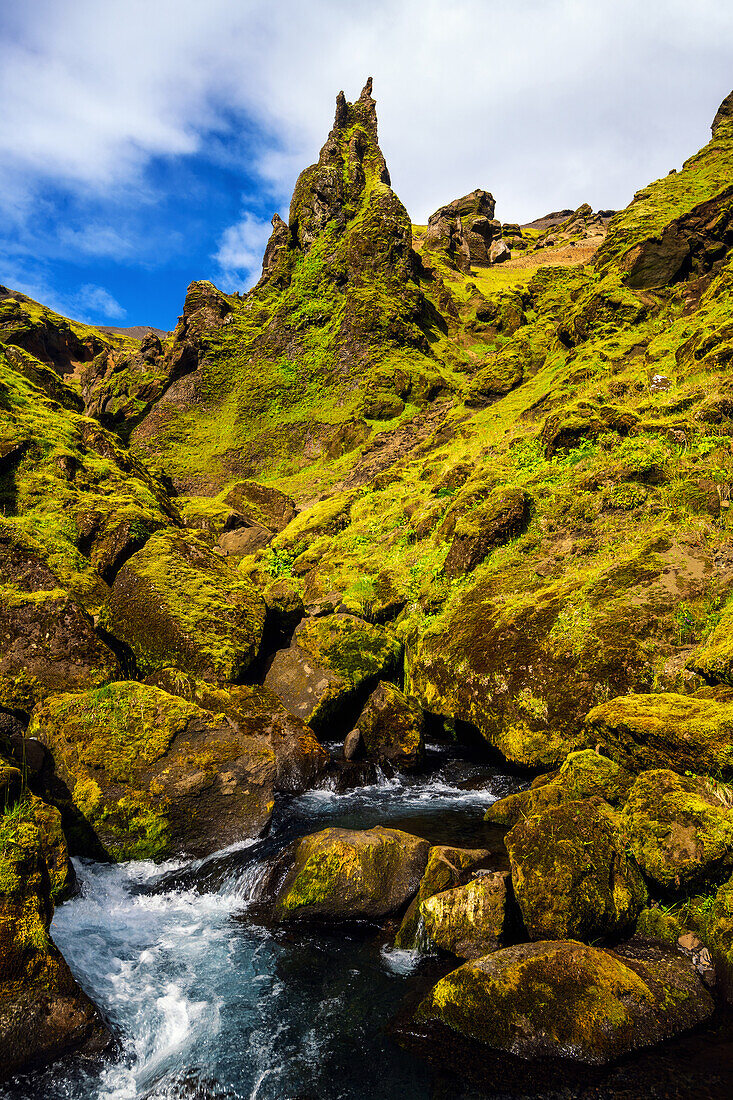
(278, 564)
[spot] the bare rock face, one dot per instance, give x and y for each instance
(464, 230)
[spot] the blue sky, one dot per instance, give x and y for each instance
(146, 144)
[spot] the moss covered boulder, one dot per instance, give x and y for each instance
(446, 868)
(719, 936)
(343, 874)
(391, 726)
(261, 505)
(141, 773)
(493, 523)
(681, 732)
(300, 759)
(176, 603)
(583, 774)
(331, 665)
(567, 1000)
(43, 1012)
(47, 640)
(469, 920)
(571, 875)
(714, 660)
(680, 833)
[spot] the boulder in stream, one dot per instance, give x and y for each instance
(469, 920)
(144, 774)
(344, 874)
(391, 727)
(572, 875)
(563, 999)
(44, 1014)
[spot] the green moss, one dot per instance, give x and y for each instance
(680, 834)
(176, 603)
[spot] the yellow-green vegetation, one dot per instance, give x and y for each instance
(571, 873)
(176, 603)
(564, 999)
(584, 774)
(666, 730)
(680, 834)
(340, 874)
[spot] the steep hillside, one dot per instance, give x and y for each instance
(469, 474)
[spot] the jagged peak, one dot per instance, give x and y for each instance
(366, 92)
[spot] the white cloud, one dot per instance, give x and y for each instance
(99, 302)
(545, 102)
(240, 252)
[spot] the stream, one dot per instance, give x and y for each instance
(205, 1003)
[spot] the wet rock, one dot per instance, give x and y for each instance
(344, 874)
(353, 745)
(468, 920)
(665, 730)
(492, 524)
(446, 868)
(331, 664)
(141, 773)
(176, 603)
(43, 1012)
(584, 774)
(571, 874)
(391, 727)
(566, 1000)
(680, 833)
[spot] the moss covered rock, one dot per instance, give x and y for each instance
(714, 660)
(330, 666)
(446, 868)
(567, 1000)
(300, 759)
(468, 920)
(391, 726)
(43, 1012)
(571, 875)
(144, 774)
(261, 505)
(176, 603)
(343, 874)
(680, 833)
(583, 774)
(493, 523)
(680, 732)
(719, 936)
